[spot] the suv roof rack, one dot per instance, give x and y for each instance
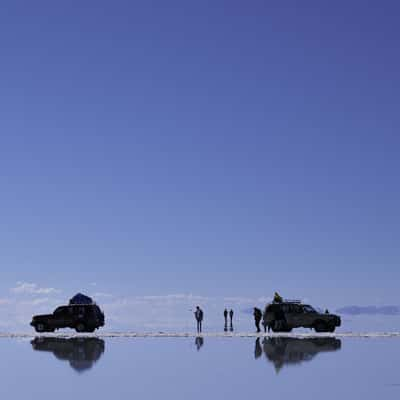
(294, 301)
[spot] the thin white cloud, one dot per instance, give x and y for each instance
(102, 295)
(238, 300)
(32, 288)
(152, 312)
(37, 301)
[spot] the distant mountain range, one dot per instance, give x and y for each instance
(369, 310)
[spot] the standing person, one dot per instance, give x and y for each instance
(231, 316)
(278, 298)
(198, 314)
(257, 318)
(226, 317)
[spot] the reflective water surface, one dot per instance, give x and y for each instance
(200, 367)
(82, 353)
(290, 351)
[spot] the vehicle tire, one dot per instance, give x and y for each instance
(332, 328)
(80, 327)
(321, 326)
(40, 327)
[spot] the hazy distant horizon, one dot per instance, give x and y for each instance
(173, 312)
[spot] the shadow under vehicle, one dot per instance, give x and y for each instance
(284, 316)
(82, 353)
(293, 351)
(81, 317)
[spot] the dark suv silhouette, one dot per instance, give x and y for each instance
(283, 317)
(81, 317)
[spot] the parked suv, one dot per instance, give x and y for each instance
(81, 317)
(283, 317)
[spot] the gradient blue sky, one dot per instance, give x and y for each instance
(216, 148)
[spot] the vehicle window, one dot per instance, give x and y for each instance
(59, 311)
(297, 310)
(308, 309)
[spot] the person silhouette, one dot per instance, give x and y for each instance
(198, 314)
(231, 316)
(231, 320)
(257, 318)
(226, 318)
(278, 298)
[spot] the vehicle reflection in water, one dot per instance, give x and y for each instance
(82, 353)
(283, 351)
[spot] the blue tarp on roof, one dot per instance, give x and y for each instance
(81, 299)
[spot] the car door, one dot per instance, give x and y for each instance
(307, 316)
(296, 316)
(62, 317)
(80, 315)
(287, 314)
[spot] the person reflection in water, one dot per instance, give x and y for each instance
(199, 342)
(257, 349)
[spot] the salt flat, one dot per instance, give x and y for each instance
(205, 334)
(217, 365)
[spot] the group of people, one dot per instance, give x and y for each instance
(226, 320)
(257, 313)
(199, 316)
(258, 316)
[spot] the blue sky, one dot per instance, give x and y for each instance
(213, 148)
